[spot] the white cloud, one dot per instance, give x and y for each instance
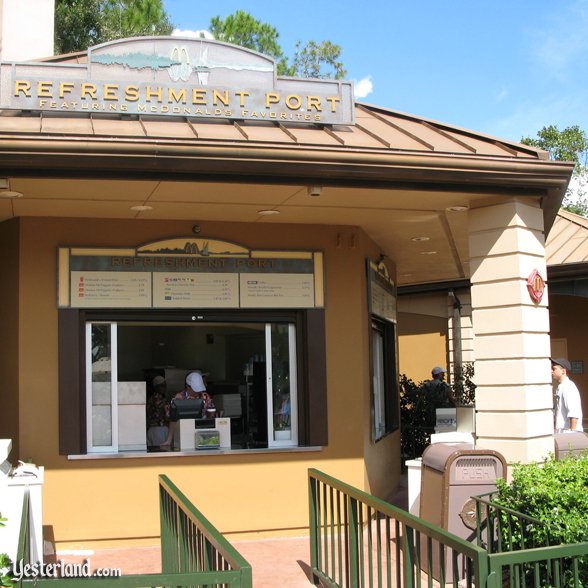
(203, 34)
(561, 45)
(363, 87)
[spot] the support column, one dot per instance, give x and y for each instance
(511, 333)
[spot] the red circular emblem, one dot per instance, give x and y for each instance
(536, 286)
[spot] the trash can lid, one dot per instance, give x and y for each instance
(436, 456)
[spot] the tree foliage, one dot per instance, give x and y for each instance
(571, 144)
(79, 24)
(310, 61)
(315, 60)
(242, 29)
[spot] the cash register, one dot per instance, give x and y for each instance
(191, 430)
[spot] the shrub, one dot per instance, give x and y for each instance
(418, 409)
(556, 494)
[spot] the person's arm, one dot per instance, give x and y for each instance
(573, 423)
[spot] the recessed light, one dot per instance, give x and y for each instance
(141, 207)
(419, 239)
(10, 194)
(268, 212)
(459, 208)
(428, 253)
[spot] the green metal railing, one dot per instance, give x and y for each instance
(194, 553)
(357, 540)
(516, 558)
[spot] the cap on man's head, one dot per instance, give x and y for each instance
(438, 370)
(563, 362)
(195, 381)
(158, 380)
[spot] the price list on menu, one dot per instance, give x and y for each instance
(277, 290)
(114, 289)
(185, 290)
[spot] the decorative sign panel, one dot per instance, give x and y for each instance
(189, 273)
(174, 76)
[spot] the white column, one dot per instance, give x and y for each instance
(511, 332)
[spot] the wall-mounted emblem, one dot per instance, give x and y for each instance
(536, 286)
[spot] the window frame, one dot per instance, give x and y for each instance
(389, 386)
(310, 371)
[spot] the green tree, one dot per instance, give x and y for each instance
(571, 144)
(317, 60)
(310, 61)
(242, 29)
(79, 24)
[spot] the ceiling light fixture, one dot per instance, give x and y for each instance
(10, 194)
(428, 253)
(268, 212)
(458, 208)
(315, 190)
(419, 239)
(141, 207)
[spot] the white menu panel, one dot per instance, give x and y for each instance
(277, 290)
(110, 289)
(383, 302)
(204, 290)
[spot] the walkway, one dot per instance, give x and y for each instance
(282, 562)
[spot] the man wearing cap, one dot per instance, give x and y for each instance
(568, 406)
(195, 388)
(438, 389)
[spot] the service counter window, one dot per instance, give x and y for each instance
(264, 370)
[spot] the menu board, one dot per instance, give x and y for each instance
(277, 290)
(382, 292)
(184, 290)
(121, 289)
(189, 273)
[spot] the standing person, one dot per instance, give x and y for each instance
(195, 388)
(438, 390)
(158, 432)
(568, 406)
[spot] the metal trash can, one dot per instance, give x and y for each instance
(570, 444)
(451, 474)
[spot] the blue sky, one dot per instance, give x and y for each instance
(505, 68)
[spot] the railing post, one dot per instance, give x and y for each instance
(313, 526)
(353, 550)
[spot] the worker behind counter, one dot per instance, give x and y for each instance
(195, 388)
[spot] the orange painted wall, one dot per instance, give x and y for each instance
(90, 502)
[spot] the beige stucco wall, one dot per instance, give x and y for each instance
(102, 501)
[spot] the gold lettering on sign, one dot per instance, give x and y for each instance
(22, 86)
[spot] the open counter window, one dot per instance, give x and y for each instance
(261, 369)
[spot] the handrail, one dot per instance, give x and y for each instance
(200, 525)
(360, 540)
(194, 552)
